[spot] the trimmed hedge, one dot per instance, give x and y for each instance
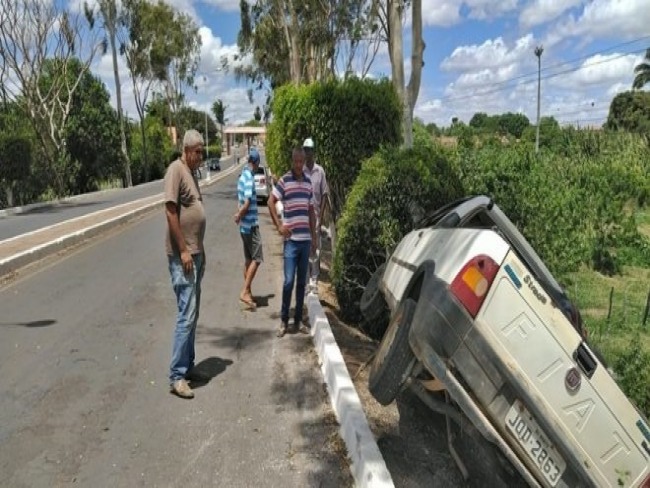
(348, 120)
(394, 188)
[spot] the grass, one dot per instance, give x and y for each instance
(613, 309)
(643, 221)
(613, 327)
(110, 184)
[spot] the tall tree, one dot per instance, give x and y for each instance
(37, 41)
(302, 41)
(219, 111)
(175, 58)
(109, 15)
(642, 72)
(392, 19)
(139, 23)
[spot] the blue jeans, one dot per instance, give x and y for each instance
(296, 260)
(188, 299)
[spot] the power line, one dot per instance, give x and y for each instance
(575, 60)
(527, 82)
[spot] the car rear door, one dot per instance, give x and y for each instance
(562, 384)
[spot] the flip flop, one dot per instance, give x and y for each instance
(249, 304)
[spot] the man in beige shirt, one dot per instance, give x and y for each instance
(186, 257)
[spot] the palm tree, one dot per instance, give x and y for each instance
(642, 72)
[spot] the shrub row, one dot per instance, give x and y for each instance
(394, 188)
(348, 121)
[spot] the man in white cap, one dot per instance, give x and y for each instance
(316, 174)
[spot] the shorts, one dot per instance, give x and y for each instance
(253, 245)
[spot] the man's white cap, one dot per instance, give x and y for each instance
(309, 142)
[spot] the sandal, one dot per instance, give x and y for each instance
(249, 304)
(282, 330)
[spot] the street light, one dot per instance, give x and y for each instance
(538, 52)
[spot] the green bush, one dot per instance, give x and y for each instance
(571, 200)
(348, 120)
(393, 189)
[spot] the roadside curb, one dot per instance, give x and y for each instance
(24, 258)
(5, 212)
(17, 261)
(367, 464)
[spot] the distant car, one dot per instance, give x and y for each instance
(474, 311)
(213, 164)
(263, 183)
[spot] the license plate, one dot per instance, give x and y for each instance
(528, 433)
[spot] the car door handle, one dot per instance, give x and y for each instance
(585, 359)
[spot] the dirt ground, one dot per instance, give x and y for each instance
(411, 437)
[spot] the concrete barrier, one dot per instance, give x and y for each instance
(367, 464)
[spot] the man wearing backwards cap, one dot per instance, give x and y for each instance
(316, 174)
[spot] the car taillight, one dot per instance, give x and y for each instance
(646, 482)
(473, 282)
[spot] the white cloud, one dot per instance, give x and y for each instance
(489, 9)
(445, 13)
(492, 54)
(599, 70)
(225, 5)
(448, 12)
(617, 88)
(542, 11)
(605, 18)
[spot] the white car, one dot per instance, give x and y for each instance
(263, 183)
(476, 313)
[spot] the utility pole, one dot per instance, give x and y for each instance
(538, 52)
(207, 151)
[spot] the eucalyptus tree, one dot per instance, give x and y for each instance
(161, 50)
(108, 14)
(175, 56)
(37, 41)
(391, 18)
(301, 41)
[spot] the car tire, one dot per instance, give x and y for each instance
(372, 303)
(394, 359)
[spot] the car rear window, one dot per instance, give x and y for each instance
(260, 171)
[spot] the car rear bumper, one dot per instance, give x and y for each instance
(444, 338)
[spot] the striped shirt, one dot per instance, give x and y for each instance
(296, 197)
(246, 191)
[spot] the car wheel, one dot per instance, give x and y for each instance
(394, 359)
(372, 303)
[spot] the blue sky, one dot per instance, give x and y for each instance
(479, 57)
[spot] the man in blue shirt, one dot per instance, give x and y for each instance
(249, 229)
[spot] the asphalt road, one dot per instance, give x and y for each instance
(85, 341)
(38, 216)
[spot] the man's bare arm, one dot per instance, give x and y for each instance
(174, 224)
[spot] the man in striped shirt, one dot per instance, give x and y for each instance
(295, 192)
(249, 227)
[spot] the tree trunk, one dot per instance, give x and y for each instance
(413, 89)
(118, 96)
(9, 192)
(395, 49)
(145, 161)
